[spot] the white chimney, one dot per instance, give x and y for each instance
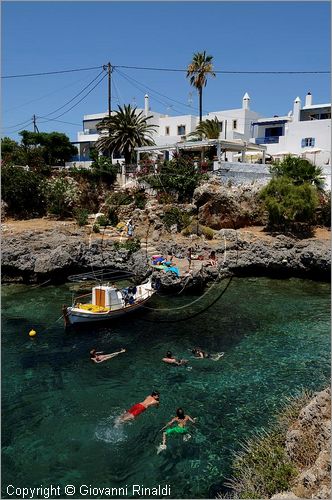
(296, 109)
(245, 101)
(308, 99)
(146, 105)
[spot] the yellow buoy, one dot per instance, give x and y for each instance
(32, 333)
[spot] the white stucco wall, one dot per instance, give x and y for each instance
(320, 130)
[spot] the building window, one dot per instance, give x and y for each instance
(220, 126)
(166, 130)
(181, 130)
(325, 116)
(308, 142)
(234, 124)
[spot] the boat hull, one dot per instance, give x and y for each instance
(79, 316)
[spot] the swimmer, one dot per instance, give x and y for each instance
(169, 358)
(180, 428)
(137, 409)
(200, 354)
(99, 357)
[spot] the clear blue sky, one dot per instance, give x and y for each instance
(266, 36)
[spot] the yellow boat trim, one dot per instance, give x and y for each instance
(93, 308)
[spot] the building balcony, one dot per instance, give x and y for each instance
(267, 140)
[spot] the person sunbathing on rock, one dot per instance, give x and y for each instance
(99, 357)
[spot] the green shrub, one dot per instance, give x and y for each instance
(179, 176)
(23, 192)
(113, 216)
(81, 216)
(120, 198)
(165, 198)
(299, 170)
(140, 199)
(195, 228)
(207, 232)
(102, 220)
(96, 228)
(132, 245)
(61, 196)
(102, 167)
(176, 216)
(287, 203)
(263, 467)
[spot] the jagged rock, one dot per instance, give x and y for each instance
(222, 207)
(308, 444)
(36, 253)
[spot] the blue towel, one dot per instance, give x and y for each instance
(174, 270)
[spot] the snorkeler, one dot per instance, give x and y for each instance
(137, 409)
(199, 353)
(170, 359)
(99, 357)
(180, 428)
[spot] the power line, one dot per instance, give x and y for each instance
(18, 130)
(139, 87)
(49, 119)
(60, 121)
(44, 96)
(16, 125)
(51, 72)
(229, 72)
(147, 68)
(73, 98)
(156, 92)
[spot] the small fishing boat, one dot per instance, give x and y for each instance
(106, 302)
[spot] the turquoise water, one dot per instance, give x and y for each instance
(59, 407)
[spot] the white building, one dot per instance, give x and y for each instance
(234, 124)
(303, 131)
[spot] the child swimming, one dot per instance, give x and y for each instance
(180, 428)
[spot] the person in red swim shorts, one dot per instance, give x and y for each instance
(138, 408)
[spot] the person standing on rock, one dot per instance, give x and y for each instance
(130, 229)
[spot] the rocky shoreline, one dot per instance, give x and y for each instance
(53, 255)
(308, 445)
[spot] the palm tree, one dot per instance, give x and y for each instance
(125, 130)
(208, 129)
(198, 71)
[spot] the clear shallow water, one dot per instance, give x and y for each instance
(59, 407)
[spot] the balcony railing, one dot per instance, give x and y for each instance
(267, 140)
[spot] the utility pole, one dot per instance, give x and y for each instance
(35, 128)
(109, 71)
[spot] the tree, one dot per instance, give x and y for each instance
(11, 152)
(198, 71)
(178, 175)
(126, 130)
(288, 203)
(22, 191)
(208, 129)
(52, 148)
(299, 170)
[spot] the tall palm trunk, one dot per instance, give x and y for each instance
(200, 93)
